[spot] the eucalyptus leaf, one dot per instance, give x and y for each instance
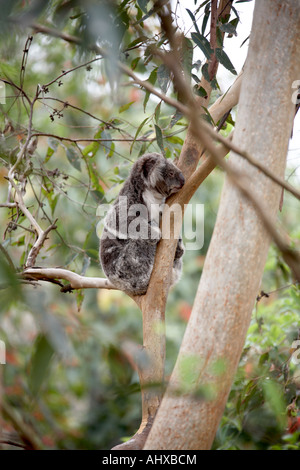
(143, 5)
(40, 363)
(138, 132)
(193, 20)
(152, 79)
(52, 147)
(203, 44)
(73, 158)
(225, 61)
(175, 118)
(163, 77)
(187, 60)
(125, 107)
(159, 138)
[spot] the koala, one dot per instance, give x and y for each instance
(131, 226)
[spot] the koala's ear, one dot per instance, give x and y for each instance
(148, 166)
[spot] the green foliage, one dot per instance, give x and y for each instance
(266, 387)
(40, 363)
(68, 373)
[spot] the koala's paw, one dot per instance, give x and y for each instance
(179, 249)
(155, 233)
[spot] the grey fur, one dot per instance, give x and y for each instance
(127, 259)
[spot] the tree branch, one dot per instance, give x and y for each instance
(42, 234)
(75, 280)
(27, 433)
(203, 133)
(213, 63)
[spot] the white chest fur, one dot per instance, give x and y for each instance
(154, 203)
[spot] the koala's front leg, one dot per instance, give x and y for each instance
(179, 249)
(177, 263)
(154, 233)
(144, 229)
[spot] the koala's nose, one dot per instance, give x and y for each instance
(181, 179)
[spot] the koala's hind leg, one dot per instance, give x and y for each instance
(135, 265)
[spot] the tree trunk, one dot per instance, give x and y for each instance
(237, 253)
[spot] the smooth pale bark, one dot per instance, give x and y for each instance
(236, 257)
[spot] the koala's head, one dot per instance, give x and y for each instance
(160, 174)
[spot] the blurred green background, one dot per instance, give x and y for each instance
(67, 377)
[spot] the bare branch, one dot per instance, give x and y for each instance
(22, 92)
(38, 245)
(9, 205)
(66, 104)
(76, 281)
(26, 432)
(42, 234)
(213, 63)
(38, 28)
(24, 60)
(69, 139)
(22, 206)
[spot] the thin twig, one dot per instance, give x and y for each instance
(26, 212)
(26, 432)
(42, 234)
(69, 139)
(24, 60)
(8, 82)
(8, 258)
(66, 104)
(66, 72)
(34, 251)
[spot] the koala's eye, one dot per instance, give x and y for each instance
(171, 173)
